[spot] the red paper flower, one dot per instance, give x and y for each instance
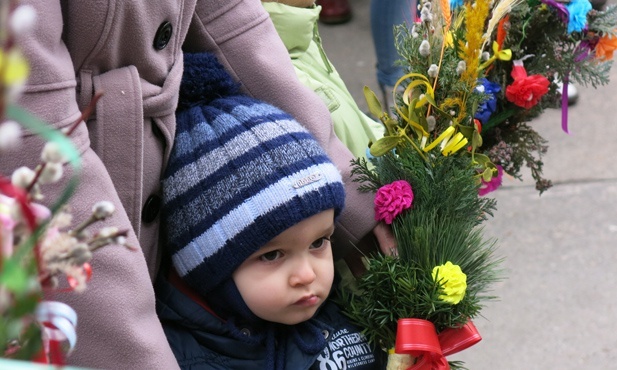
(392, 199)
(526, 91)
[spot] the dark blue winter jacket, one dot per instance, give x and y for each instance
(200, 340)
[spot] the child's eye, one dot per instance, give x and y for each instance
(271, 256)
(319, 243)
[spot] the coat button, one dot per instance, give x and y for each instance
(151, 208)
(163, 35)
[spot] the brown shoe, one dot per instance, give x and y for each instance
(334, 11)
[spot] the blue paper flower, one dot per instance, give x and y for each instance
(578, 15)
(489, 105)
(455, 4)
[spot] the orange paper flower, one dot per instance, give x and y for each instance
(605, 47)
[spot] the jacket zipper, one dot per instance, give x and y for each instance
(317, 40)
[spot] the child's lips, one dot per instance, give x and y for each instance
(307, 301)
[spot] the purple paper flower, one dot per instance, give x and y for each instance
(562, 11)
(489, 105)
(578, 15)
(489, 186)
(392, 199)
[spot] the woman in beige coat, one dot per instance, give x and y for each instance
(132, 51)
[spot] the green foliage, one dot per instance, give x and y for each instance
(442, 225)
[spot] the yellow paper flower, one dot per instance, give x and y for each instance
(452, 280)
(605, 48)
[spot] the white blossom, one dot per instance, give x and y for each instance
(425, 14)
(120, 240)
(107, 232)
(433, 71)
(431, 122)
(22, 177)
(103, 209)
(51, 173)
(425, 48)
(51, 153)
(22, 19)
(485, 56)
(10, 135)
(461, 67)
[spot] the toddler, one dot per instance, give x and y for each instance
(250, 200)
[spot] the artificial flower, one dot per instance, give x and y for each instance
(562, 11)
(392, 199)
(455, 4)
(489, 105)
(605, 47)
(452, 280)
(578, 10)
(493, 184)
(526, 91)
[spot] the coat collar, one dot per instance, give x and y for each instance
(294, 25)
(195, 334)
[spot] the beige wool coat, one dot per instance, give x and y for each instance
(132, 51)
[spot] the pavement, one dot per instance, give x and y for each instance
(557, 307)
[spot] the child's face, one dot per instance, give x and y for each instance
(290, 277)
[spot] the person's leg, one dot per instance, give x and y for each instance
(385, 14)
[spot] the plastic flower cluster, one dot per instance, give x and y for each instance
(41, 250)
(478, 73)
(485, 69)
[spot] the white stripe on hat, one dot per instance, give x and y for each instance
(238, 219)
(185, 178)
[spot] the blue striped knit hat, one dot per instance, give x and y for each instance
(241, 172)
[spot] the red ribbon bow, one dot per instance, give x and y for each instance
(418, 338)
(21, 198)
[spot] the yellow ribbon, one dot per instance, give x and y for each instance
(429, 97)
(452, 146)
(504, 55)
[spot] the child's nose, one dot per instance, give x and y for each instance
(303, 273)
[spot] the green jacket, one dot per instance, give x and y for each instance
(297, 27)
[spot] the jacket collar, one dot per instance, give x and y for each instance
(195, 331)
(294, 25)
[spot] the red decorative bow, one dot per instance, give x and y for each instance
(418, 338)
(21, 197)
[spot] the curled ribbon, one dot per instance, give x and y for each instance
(498, 54)
(418, 338)
(58, 321)
(450, 146)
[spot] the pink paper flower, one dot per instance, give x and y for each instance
(489, 186)
(392, 199)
